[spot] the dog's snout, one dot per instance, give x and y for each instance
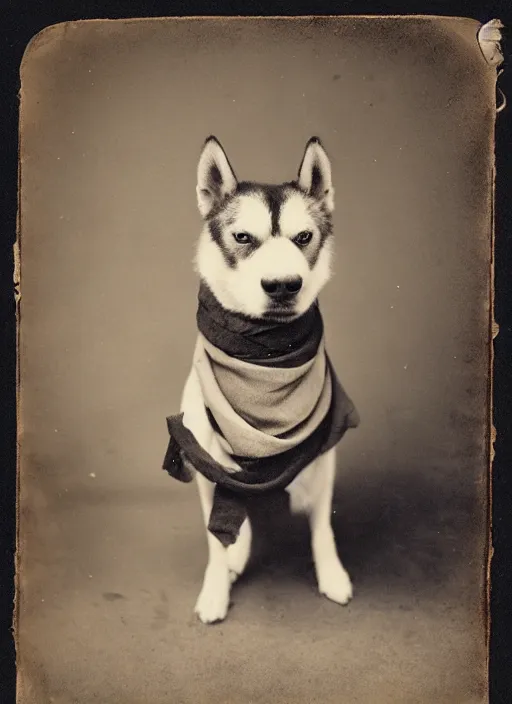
(282, 288)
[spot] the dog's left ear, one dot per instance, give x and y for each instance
(315, 174)
(215, 177)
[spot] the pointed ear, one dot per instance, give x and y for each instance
(315, 174)
(215, 177)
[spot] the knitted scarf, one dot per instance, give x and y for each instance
(273, 399)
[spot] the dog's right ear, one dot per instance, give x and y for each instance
(215, 177)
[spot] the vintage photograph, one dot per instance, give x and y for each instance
(254, 359)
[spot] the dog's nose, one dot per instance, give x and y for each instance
(280, 289)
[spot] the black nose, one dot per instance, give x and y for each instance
(282, 289)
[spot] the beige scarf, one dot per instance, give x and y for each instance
(262, 411)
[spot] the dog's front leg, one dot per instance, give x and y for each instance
(333, 579)
(213, 602)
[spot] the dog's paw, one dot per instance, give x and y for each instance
(213, 602)
(334, 582)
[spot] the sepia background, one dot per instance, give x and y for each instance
(111, 550)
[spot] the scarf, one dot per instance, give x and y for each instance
(273, 399)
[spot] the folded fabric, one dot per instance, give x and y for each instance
(273, 399)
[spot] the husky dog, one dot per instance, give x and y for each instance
(265, 253)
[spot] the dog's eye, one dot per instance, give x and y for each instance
(303, 238)
(243, 237)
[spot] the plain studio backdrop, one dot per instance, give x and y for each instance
(112, 550)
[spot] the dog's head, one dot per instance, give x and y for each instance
(265, 251)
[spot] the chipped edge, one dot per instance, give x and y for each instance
(20, 684)
(494, 330)
(489, 40)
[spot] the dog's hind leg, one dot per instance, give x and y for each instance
(240, 551)
(318, 479)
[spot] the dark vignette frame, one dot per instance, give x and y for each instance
(18, 25)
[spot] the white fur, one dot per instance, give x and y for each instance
(240, 289)
(295, 216)
(252, 216)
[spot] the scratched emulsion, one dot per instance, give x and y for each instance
(111, 551)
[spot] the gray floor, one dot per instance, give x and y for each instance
(111, 612)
